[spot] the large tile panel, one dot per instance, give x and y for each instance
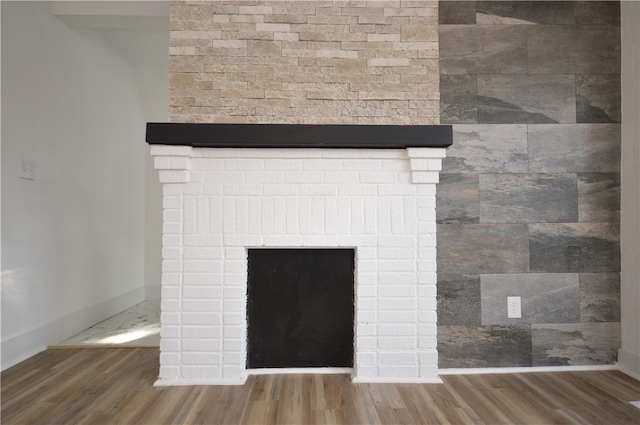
(528, 99)
(483, 248)
(597, 12)
(574, 247)
(483, 49)
(545, 297)
(548, 12)
(575, 344)
(457, 199)
(599, 197)
(528, 198)
(484, 346)
(598, 98)
(573, 49)
(487, 149)
(574, 148)
(524, 12)
(456, 12)
(458, 299)
(458, 99)
(600, 297)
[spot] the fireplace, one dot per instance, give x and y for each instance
(230, 190)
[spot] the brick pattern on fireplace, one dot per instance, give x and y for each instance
(220, 202)
(318, 62)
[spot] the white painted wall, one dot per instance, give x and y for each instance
(155, 97)
(629, 354)
(148, 50)
(73, 238)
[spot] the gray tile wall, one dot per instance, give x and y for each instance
(529, 198)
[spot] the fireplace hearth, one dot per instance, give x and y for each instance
(368, 190)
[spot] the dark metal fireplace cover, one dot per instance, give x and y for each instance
(300, 308)
(299, 135)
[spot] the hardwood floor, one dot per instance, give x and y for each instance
(115, 386)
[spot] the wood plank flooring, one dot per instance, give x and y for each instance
(115, 386)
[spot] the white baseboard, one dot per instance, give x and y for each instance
(20, 347)
(497, 370)
(629, 363)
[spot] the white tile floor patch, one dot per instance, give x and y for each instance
(635, 403)
(137, 326)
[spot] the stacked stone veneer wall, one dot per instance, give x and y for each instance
(220, 202)
(529, 198)
(332, 62)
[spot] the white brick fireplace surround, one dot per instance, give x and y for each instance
(220, 202)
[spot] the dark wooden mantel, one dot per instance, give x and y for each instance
(299, 135)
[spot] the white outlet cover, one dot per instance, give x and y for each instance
(514, 308)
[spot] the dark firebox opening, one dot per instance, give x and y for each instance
(300, 308)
